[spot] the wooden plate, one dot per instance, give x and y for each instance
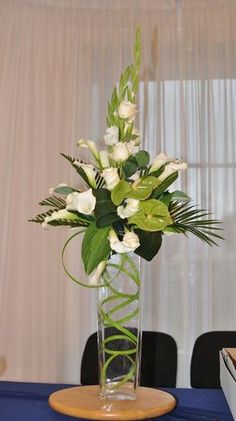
(84, 402)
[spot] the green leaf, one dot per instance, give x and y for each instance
(150, 243)
(56, 202)
(174, 196)
(95, 247)
(152, 216)
(105, 210)
(142, 158)
(165, 184)
(130, 166)
(120, 191)
(64, 190)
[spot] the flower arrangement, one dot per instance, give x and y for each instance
(126, 205)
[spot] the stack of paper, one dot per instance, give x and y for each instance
(228, 376)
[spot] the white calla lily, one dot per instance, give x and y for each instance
(120, 152)
(171, 168)
(60, 214)
(111, 136)
(104, 159)
(84, 202)
(111, 177)
(89, 171)
(93, 278)
(129, 243)
(91, 145)
(127, 110)
(130, 209)
(160, 160)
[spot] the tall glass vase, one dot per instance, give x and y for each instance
(119, 333)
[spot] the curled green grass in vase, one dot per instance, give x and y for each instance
(124, 207)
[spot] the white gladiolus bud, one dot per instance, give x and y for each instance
(111, 177)
(129, 243)
(127, 110)
(130, 209)
(93, 278)
(91, 145)
(120, 152)
(137, 140)
(111, 136)
(161, 159)
(84, 202)
(89, 171)
(171, 168)
(60, 214)
(104, 159)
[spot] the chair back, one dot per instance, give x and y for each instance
(158, 361)
(205, 362)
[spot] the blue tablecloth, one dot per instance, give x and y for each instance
(29, 402)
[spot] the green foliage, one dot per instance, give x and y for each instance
(105, 211)
(177, 195)
(56, 202)
(150, 243)
(164, 185)
(188, 218)
(126, 90)
(95, 247)
(135, 163)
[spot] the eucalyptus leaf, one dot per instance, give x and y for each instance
(64, 190)
(95, 247)
(142, 158)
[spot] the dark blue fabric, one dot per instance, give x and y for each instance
(29, 402)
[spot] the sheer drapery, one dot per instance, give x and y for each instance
(59, 62)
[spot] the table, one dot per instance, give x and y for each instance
(29, 402)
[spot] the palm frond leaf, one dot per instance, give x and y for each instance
(41, 216)
(99, 180)
(189, 218)
(56, 202)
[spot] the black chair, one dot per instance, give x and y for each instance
(158, 363)
(205, 363)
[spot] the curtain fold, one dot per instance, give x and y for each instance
(60, 60)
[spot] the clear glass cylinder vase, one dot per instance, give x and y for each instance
(119, 333)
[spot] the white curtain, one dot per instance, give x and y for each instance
(59, 62)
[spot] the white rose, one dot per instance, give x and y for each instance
(104, 159)
(120, 152)
(111, 136)
(130, 209)
(130, 242)
(161, 159)
(111, 177)
(84, 202)
(60, 214)
(132, 147)
(89, 171)
(171, 168)
(93, 278)
(127, 110)
(91, 145)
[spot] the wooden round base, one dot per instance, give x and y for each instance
(84, 402)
